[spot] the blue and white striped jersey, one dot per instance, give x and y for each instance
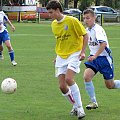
(3, 17)
(97, 35)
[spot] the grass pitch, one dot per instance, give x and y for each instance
(38, 96)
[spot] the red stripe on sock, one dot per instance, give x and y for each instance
(71, 99)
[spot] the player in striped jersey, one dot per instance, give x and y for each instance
(100, 59)
(5, 38)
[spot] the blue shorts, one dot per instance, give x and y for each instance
(4, 36)
(104, 65)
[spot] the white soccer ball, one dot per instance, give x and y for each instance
(9, 85)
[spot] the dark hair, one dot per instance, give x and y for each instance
(54, 4)
(87, 11)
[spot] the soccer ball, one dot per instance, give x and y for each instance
(8, 85)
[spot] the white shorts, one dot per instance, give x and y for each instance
(72, 63)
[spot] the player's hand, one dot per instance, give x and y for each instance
(91, 58)
(13, 28)
(54, 61)
(82, 56)
(0, 27)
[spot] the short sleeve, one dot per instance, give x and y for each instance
(101, 35)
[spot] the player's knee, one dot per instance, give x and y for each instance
(69, 81)
(86, 78)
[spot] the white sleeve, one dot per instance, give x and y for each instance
(5, 16)
(101, 35)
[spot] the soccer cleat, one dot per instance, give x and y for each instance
(80, 113)
(1, 57)
(73, 112)
(14, 63)
(92, 105)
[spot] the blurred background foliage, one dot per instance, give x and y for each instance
(81, 4)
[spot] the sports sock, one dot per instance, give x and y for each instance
(69, 97)
(0, 52)
(117, 83)
(90, 90)
(11, 54)
(76, 95)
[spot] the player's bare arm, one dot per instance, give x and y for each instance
(102, 47)
(85, 42)
(11, 25)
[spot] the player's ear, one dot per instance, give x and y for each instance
(95, 17)
(57, 9)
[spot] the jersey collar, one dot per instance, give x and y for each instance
(61, 19)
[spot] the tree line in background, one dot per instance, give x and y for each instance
(81, 4)
(111, 3)
(11, 2)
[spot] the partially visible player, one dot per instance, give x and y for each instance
(71, 41)
(5, 38)
(100, 59)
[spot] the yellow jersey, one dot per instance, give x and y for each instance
(69, 36)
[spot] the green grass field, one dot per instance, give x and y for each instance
(38, 96)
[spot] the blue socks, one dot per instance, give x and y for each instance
(0, 52)
(11, 54)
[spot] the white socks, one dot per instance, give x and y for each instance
(73, 96)
(117, 84)
(69, 97)
(76, 95)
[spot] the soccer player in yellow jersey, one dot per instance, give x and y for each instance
(71, 41)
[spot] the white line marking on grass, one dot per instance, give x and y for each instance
(114, 47)
(29, 35)
(114, 38)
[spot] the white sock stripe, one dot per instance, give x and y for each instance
(11, 51)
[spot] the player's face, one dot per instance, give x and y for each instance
(53, 13)
(89, 20)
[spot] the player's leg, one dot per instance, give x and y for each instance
(11, 52)
(69, 78)
(60, 71)
(68, 67)
(88, 75)
(1, 49)
(112, 84)
(108, 74)
(6, 40)
(66, 92)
